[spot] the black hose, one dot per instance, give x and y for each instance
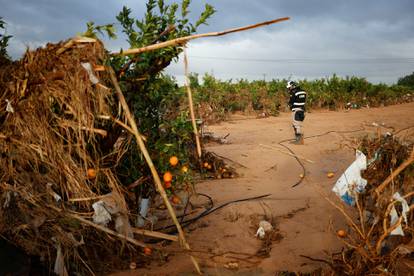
(207, 212)
(297, 159)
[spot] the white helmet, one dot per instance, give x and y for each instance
(290, 84)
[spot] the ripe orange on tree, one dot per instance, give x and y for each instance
(91, 173)
(167, 176)
(173, 161)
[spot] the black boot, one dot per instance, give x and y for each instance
(301, 139)
(298, 140)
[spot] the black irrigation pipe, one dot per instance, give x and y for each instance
(297, 159)
(208, 211)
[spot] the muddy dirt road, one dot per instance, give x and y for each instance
(305, 220)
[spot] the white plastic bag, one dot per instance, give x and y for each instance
(351, 181)
(264, 226)
(88, 67)
(101, 216)
(394, 215)
(107, 209)
(59, 268)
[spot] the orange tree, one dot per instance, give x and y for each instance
(154, 98)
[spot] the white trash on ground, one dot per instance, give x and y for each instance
(264, 226)
(351, 181)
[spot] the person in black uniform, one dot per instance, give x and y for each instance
(297, 103)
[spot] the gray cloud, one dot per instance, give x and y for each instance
(372, 39)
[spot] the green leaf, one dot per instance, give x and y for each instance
(206, 14)
(184, 8)
(161, 6)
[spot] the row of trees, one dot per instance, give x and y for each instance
(224, 97)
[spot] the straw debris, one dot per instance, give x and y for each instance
(51, 105)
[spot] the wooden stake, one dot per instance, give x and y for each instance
(185, 39)
(144, 151)
(190, 103)
(154, 234)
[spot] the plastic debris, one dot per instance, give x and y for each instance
(107, 209)
(394, 219)
(60, 268)
(351, 181)
(101, 215)
(53, 193)
(394, 215)
(260, 233)
(264, 226)
(9, 107)
(404, 203)
(7, 200)
(88, 68)
(373, 159)
(143, 210)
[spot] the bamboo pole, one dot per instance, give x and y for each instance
(190, 103)
(154, 234)
(185, 39)
(144, 151)
(405, 164)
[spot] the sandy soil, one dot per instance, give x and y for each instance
(304, 218)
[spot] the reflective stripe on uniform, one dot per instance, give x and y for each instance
(300, 93)
(298, 103)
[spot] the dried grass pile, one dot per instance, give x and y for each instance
(50, 116)
(380, 241)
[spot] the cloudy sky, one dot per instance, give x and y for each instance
(371, 38)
